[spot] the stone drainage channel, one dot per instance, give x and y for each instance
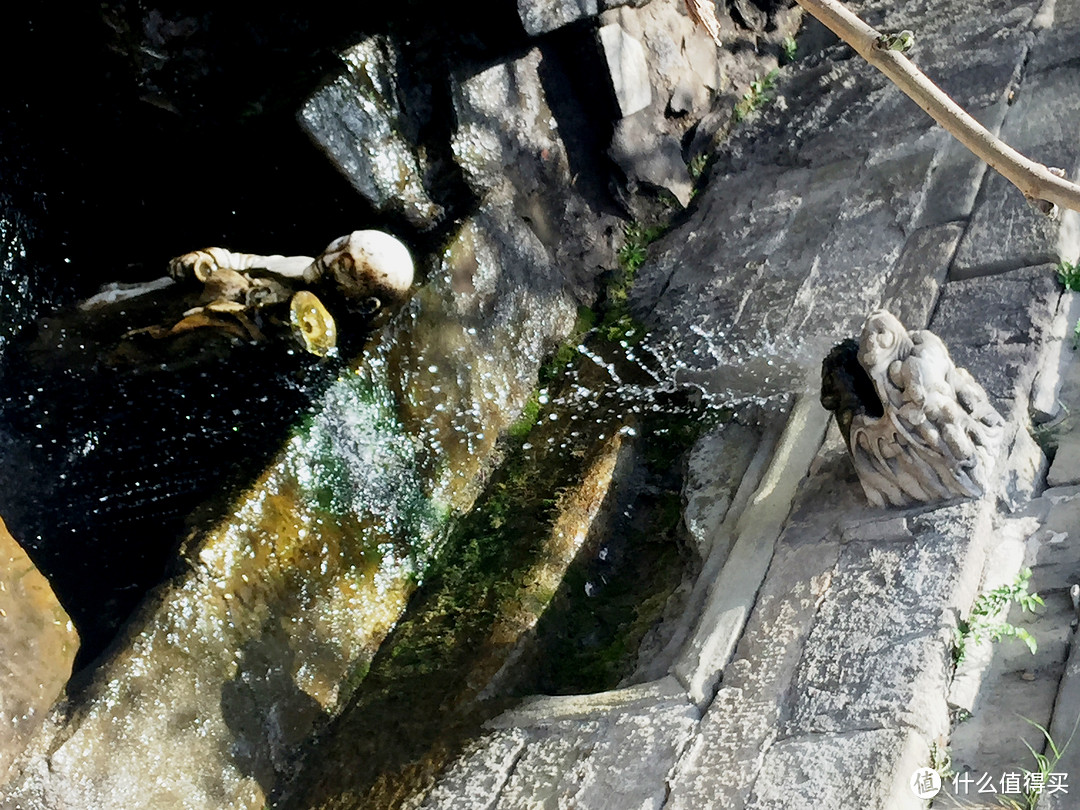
(818, 670)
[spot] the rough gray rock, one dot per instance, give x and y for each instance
(720, 763)
(558, 750)
(541, 16)
(664, 90)
(1065, 469)
(920, 271)
(865, 768)
(877, 656)
(357, 120)
(474, 780)
(509, 147)
(627, 68)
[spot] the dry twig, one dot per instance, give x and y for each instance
(1036, 181)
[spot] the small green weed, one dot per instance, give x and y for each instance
(941, 760)
(1036, 781)
(789, 49)
(1069, 275)
(696, 166)
(985, 622)
(617, 323)
(634, 250)
(759, 94)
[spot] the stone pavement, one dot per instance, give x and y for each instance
(819, 671)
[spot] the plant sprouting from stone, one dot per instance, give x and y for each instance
(941, 759)
(617, 324)
(986, 621)
(634, 250)
(789, 49)
(759, 94)
(1069, 275)
(696, 166)
(1037, 781)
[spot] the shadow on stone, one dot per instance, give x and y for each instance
(268, 714)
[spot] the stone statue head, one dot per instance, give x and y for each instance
(370, 269)
(883, 340)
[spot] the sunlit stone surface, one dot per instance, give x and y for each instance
(37, 646)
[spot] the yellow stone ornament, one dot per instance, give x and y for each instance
(312, 323)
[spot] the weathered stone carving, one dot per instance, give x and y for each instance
(918, 428)
(364, 271)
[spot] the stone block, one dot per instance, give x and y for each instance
(540, 16)
(632, 760)
(506, 131)
(878, 655)
(357, 120)
(1005, 232)
(475, 778)
(650, 158)
(1054, 379)
(1066, 467)
(1056, 46)
(720, 764)
(1057, 542)
(547, 772)
(1063, 727)
(606, 760)
(866, 769)
(627, 67)
(957, 175)
(919, 272)
(510, 151)
(997, 328)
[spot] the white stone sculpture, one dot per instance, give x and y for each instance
(364, 271)
(932, 436)
(369, 268)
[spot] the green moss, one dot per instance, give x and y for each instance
(529, 414)
(567, 353)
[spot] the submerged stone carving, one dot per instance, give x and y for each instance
(918, 428)
(363, 272)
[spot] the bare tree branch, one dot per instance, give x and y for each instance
(1039, 183)
(1036, 181)
(703, 12)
